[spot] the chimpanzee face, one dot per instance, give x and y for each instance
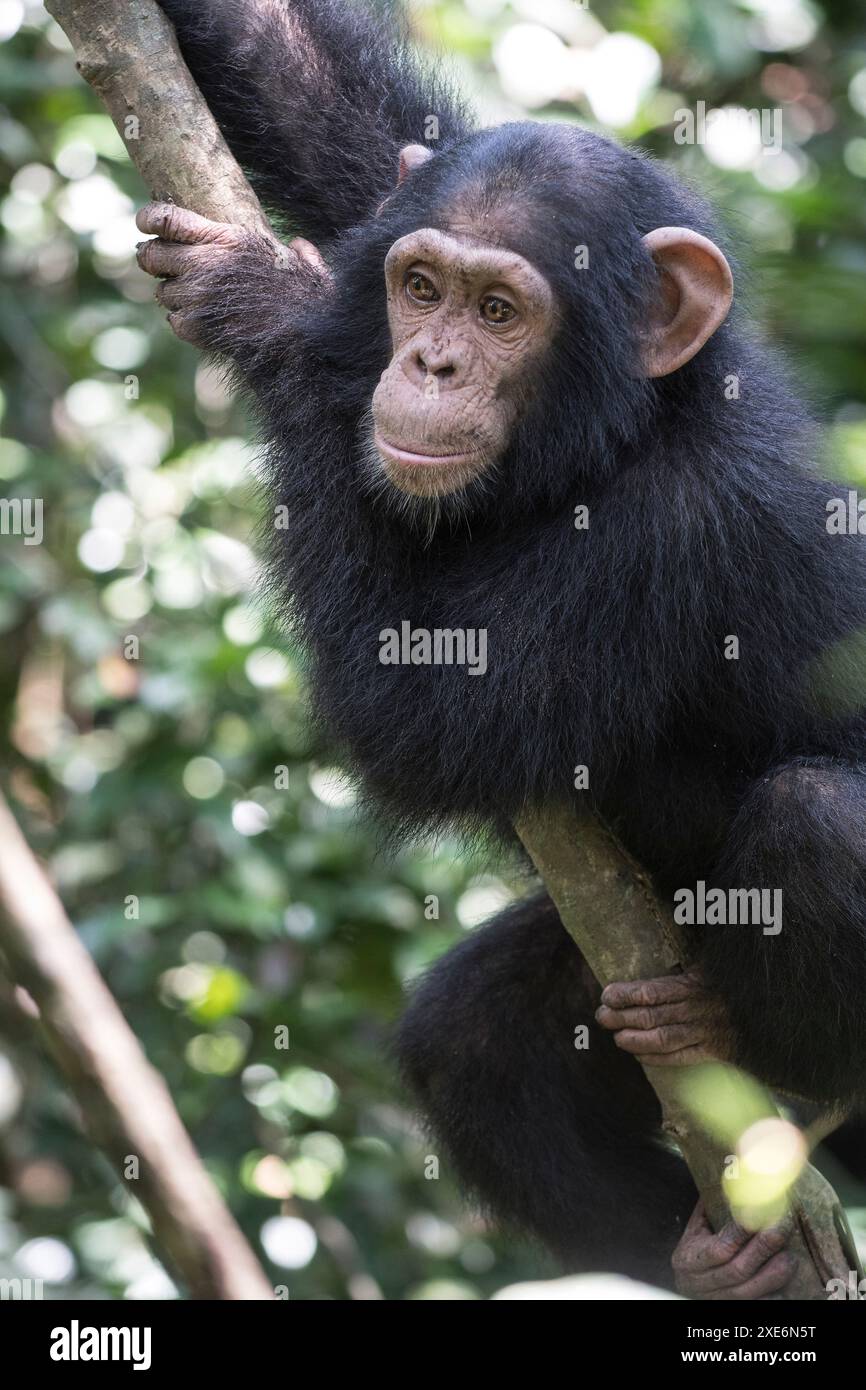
(467, 321)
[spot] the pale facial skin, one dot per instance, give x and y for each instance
(467, 322)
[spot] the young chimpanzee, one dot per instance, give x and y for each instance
(505, 399)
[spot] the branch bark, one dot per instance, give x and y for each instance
(608, 907)
(125, 1102)
(127, 51)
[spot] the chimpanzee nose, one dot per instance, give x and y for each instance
(432, 364)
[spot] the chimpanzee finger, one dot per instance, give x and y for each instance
(158, 257)
(670, 1037)
(684, 1057)
(770, 1279)
(745, 1263)
(667, 989)
(172, 223)
(186, 327)
(701, 1248)
(172, 294)
(306, 251)
(647, 1017)
(763, 1246)
(698, 1223)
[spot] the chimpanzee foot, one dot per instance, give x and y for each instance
(668, 1022)
(734, 1264)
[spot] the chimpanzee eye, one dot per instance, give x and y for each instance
(419, 288)
(496, 311)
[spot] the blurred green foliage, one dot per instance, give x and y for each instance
(204, 845)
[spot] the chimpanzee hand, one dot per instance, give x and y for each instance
(225, 285)
(734, 1264)
(671, 1021)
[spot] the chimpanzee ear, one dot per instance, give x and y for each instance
(410, 158)
(695, 292)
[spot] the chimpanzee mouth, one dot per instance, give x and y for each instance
(409, 458)
(423, 483)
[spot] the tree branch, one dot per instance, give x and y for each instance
(125, 1102)
(127, 51)
(608, 907)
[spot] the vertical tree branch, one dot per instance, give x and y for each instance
(127, 51)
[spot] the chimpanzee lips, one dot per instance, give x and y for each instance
(395, 453)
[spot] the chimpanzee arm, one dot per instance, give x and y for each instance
(315, 99)
(230, 291)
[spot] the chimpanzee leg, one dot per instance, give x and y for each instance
(562, 1139)
(794, 992)
(781, 980)
(552, 1127)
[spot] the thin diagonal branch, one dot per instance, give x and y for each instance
(125, 1103)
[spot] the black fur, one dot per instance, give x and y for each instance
(316, 97)
(559, 1144)
(605, 646)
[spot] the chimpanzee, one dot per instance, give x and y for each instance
(507, 397)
